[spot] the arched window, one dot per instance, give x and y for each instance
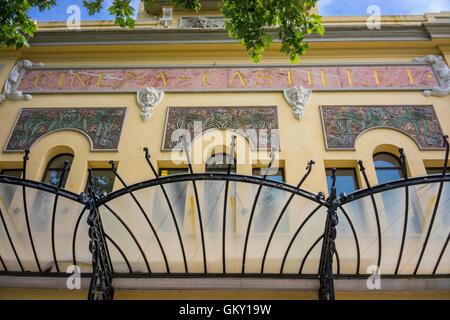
(54, 168)
(387, 167)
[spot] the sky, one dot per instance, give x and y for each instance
(326, 8)
(386, 7)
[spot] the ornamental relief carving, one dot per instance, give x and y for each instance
(148, 99)
(10, 90)
(443, 73)
(298, 98)
(202, 22)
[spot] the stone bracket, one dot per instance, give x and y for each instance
(298, 98)
(13, 81)
(148, 99)
(442, 72)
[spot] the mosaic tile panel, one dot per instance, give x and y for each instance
(258, 124)
(344, 124)
(103, 126)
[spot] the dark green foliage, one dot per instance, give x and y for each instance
(249, 21)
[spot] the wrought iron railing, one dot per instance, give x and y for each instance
(222, 224)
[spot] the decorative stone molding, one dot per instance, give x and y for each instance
(442, 71)
(298, 98)
(202, 22)
(148, 99)
(13, 81)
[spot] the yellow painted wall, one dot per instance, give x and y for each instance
(301, 141)
(136, 134)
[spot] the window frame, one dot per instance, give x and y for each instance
(437, 169)
(399, 169)
(388, 168)
(355, 176)
(177, 170)
(12, 169)
(283, 173)
(47, 168)
(97, 169)
(225, 165)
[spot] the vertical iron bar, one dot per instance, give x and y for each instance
(295, 236)
(101, 278)
(250, 220)
(131, 235)
(326, 290)
(10, 241)
(405, 223)
(120, 251)
(358, 255)
(230, 161)
(197, 203)
(374, 204)
(308, 252)
(25, 159)
(441, 254)
(438, 198)
(114, 169)
(166, 196)
(75, 231)
(272, 233)
(3, 264)
(55, 203)
(102, 232)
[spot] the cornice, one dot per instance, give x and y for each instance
(438, 29)
(334, 33)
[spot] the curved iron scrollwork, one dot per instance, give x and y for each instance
(326, 290)
(433, 237)
(100, 287)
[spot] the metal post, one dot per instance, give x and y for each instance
(100, 287)
(326, 290)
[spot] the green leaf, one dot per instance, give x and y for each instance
(246, 20)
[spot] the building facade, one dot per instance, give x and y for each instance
(217, 222)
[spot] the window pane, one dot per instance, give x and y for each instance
(385, 160)
(346, 181)
(269, 202)
(12, 172)
(58, 162)
(9, 190)
(176, 193)
(387, 167)
(103, 180)
(275, 174)
(219, 163)
(54, 168)
(384, 176)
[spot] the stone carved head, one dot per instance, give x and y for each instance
(298, 97)
(148, 99)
